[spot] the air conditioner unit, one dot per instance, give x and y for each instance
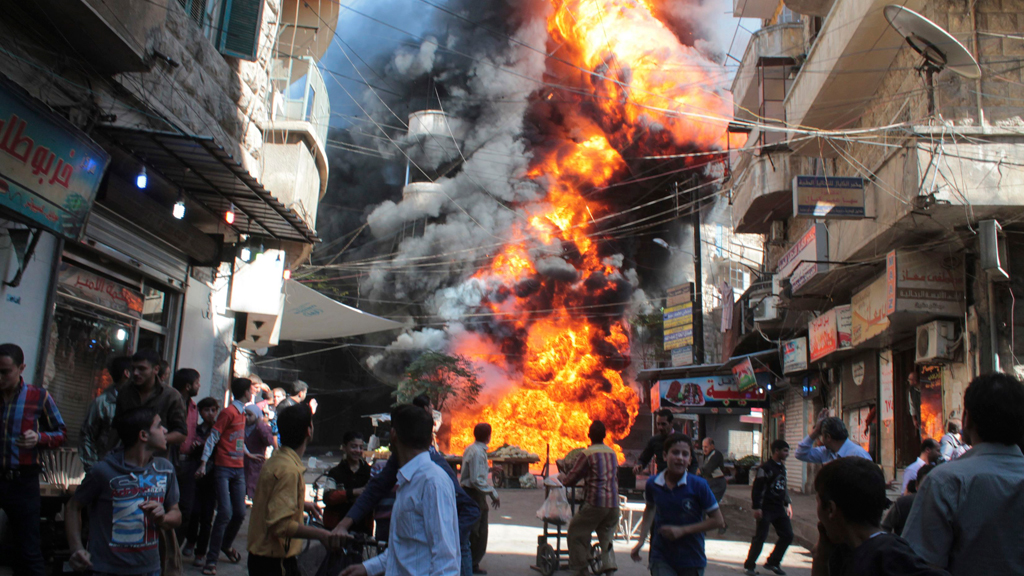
(935, 342)
(766, 308)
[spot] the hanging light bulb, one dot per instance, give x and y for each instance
(229, 216)
(287, 274)
(245, 254)
(179, 207)
(141, 180)
(121, 335)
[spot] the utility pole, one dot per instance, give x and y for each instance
(698, 281)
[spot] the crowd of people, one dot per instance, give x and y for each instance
(168, 478)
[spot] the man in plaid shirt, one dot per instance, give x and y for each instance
(599, 466)
(29, 420)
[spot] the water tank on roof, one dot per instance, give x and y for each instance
(436, 123)
(425, 195)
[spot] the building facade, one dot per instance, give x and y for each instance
(191, 137)
(886, 181)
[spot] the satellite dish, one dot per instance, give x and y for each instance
(939, 49)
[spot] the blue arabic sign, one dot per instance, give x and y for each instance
(828, 197)
(49, 170)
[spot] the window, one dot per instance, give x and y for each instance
(240, 26)
(233, 26)
(205, 14)
(739, 278)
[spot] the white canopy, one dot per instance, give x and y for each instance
(309, 315)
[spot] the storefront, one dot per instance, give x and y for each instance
(117, 291)
(50, 172)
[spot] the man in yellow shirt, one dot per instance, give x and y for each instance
(276, 529)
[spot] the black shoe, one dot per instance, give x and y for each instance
(479, 570)
(775, 569)
(750, 572)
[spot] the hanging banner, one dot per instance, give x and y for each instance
(710, 391)
(49, 170)
(98, 290)
(794, 355)
(744, 375)
(828, 197)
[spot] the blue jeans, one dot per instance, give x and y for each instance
(659, 568)
(19, 498)
(467, 554)
(230, 485)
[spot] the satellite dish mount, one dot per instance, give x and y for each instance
(939, 49)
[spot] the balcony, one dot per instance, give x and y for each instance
(846, 65)
(300, 95)
(775, 45)
(764, 192)
(754, 8)
(295, 158)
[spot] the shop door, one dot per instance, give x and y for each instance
(83, 344)
(908, 438)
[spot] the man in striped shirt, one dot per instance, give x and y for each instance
(599, 466)
(29, 420)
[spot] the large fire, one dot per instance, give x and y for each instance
(563, 342)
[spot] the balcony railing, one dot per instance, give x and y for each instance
(299, 94)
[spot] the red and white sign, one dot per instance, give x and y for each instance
(823, 335)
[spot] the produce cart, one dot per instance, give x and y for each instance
(551, 558)
(556, 557)
(505, 472)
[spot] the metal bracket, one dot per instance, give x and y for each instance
(24, 248)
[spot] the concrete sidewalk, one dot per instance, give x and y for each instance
(805, 512)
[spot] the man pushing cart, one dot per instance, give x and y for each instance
(598, 467)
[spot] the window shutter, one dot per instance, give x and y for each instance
(240, 26)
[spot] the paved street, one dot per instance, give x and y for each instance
(514, 530)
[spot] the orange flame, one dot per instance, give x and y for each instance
(559, 366)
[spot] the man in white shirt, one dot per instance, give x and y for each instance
(929, 455)
(835, 442)
(424, 535)
(474, 480)
(952, 445)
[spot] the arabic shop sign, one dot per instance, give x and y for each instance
(717, 392)
(93, 288)
(807, 258)
(794, 355)
(830, 332)
(828, 197)
(925, 282)
(49, 170)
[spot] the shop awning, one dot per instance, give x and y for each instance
(309, 315)
(212, 177)
(763, 358)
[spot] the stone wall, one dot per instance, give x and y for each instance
(210, 94)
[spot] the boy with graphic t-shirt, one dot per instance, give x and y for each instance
(227, 446)
(131, 496)
(677, 503)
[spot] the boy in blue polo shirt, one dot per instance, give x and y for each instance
(681, 508)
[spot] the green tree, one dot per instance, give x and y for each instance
(449, 380)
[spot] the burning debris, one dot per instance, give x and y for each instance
(529, 287)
